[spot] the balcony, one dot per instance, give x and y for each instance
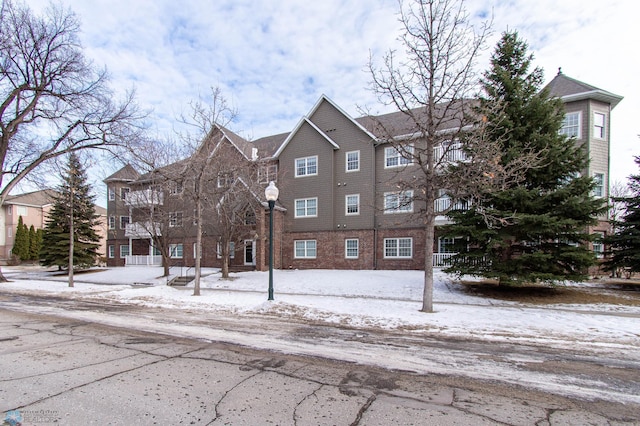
(144, 198)
(443, 204)
(142, 230)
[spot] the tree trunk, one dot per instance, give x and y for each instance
(196, 285)
(429, 239)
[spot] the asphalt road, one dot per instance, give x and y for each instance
(66, 363)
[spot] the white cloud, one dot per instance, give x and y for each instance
(273, 59)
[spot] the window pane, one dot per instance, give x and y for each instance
(311, 207)
(311, 249)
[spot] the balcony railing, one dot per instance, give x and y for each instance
(144, 198)
(443, 204)
(143, 260)
(142, 230)
(449, 153)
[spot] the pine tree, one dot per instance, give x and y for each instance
(35, 242)
(21, 241)
(73, 199)
(624, 245)
(537, 229)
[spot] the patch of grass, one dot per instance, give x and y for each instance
(608, 293)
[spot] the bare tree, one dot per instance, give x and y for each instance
(52, 100)
(219, 172)
(448, 158)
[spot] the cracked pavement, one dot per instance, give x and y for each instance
(76, 372)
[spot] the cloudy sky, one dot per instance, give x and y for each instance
(274, 58)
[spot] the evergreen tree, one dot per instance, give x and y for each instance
(624, 244)
(21, 241)
(537, 229)
(73, 200)
(35, 241)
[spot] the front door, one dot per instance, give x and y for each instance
(249, 250)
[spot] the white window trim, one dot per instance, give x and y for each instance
(175, 219)
(346, 248)
(306, 166)
(112, 225)
(120, 222)
(397, 256)
(122, 256)
(402, 161)
(346, 162)
(295, 206)
(346, 205)
(173, 251)
(232, 250)
(111, 251)
(601, 186)
(604, 125)
(398, 208)
(306, 249)
(579, 132)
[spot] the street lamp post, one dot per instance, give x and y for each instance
(271, 194)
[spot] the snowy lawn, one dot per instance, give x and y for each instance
(379, 299)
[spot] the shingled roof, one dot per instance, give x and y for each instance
(35, 198)
(125, 174)
(569, 89)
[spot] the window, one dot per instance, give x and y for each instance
(124, 221)
(445, 245)
(124, 251)
(353, 161)
(112, 222)
(225, 180)
(249, 217)
(9, 232)
(10, 210)
(305, 249)
(112, 252)
(307, 207)
(175, 219)
(123, 193)
(598, 125)
(449, 151)
(571, 125)
(307, 166)
(175, 251)
(398, 202)
(598, 245)
(175, 188)
(598, 189)
(351, 248)
(398, 156)
(21, 210)
(232, 250)
(112, 194)
(352, 203)
(399, 248)
(268, 173)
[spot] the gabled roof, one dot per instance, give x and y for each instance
(36, 198)
(569, 89)
(268, 145)
(295, 130)
(241, 144)
(125, 174)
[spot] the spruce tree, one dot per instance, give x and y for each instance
(21, 241)
(536, 229)
(34, 243)
(624, 245)
(73, 199)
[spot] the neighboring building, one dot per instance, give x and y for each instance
(34, 208)
(335, 175)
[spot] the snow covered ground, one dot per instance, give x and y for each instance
(365, 299)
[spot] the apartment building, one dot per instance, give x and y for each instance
(335, 174)
(34, 208)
